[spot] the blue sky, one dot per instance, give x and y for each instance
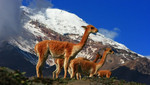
(127, 21)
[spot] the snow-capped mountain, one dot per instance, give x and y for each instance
(56, 24)
(64, 22)
(61, 25)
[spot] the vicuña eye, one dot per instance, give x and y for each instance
(92, 27)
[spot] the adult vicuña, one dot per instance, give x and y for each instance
(59, 65)
(60, 49)
(85, 67)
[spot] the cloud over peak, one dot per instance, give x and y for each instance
(38, 4)
(9, 18)
(112, 34)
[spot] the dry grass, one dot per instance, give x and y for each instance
(10, 77)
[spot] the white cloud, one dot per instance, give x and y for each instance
(110, 33)
(9, 18)
(148, 56)
(116, 29)
(40, 4)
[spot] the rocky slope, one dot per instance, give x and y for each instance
(135, 70)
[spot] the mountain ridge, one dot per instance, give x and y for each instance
(64, 26)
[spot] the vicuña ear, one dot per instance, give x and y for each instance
(84, 27)
(104, 49)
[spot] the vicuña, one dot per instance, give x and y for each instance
(103, 73)
(85, 67)
(60, 49)
(59, 65)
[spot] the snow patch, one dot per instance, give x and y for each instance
(122, 61)
(31, 28)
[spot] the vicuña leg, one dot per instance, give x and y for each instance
(66, 63)
(72, 71)
(54, 72)
(78, 76)
(73, 74)
(69, 71)
(108, 75)
(58, 70)
(91, 75)
(39, 67)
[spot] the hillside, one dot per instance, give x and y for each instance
(12, 57)
(8, 76)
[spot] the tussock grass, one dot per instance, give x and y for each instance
(11, 77)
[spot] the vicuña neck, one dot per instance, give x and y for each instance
(84, 38)
(97, 57)
(101, 62)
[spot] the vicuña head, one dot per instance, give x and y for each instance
(85, 67)
(60, 49)
(90, 28)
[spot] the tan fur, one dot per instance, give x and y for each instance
(102, 73)
(59, 65)
(78, 75)
(79, 65)
(60, 49)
